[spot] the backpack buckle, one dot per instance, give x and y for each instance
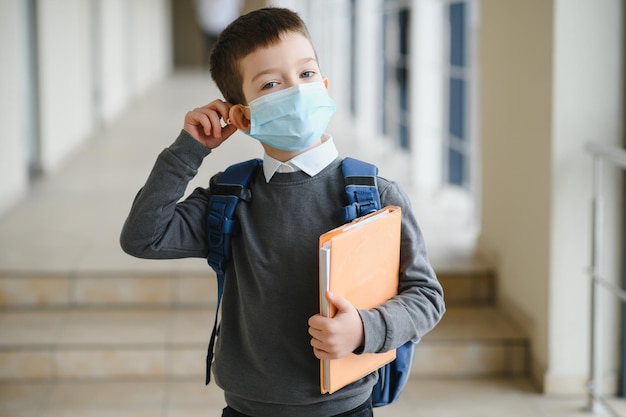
(356, 209)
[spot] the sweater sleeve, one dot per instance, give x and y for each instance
(158, 225)
(419, 305)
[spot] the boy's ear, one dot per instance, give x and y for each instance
(239, 117)
(326, 82)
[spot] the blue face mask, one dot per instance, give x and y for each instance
(292, 119)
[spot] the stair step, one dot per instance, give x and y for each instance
(466, 281)
(77, 343)
(101, 289)
(473, 342)
(463, 284)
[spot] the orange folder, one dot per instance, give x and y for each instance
(359, 260)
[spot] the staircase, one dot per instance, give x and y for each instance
(98, 325)
(474, 339)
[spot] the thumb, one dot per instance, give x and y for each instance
(341, 303)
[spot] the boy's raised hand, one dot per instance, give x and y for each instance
(205, 124)
(334, 338)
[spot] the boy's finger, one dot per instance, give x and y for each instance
(196, 115)
(215, 123)
(220, 106)
(224, 109)
(205, 122)
(318, 322)
(339, 301)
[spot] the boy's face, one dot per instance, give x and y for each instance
(288, 62)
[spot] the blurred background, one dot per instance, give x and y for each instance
(481, 109)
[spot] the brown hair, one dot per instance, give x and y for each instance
(257, 29)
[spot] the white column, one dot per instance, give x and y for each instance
(65, 78)
(428, 92)
(13, 114)
(368, 44)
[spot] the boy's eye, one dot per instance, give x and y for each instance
(269, 85)
(307, 74)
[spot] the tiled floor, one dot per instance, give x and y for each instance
(69, 224)
(187, 398)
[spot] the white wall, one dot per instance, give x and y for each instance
(587, 105)
(13, 159)
(550, 80)
(94, 56)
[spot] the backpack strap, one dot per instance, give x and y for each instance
(231, 187)
(361, 188)
(362, 191)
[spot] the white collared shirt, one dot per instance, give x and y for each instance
(312, 162)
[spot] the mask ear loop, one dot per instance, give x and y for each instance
(228, 122)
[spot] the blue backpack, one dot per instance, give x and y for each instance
(363, 196)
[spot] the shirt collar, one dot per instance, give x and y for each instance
(312, 162)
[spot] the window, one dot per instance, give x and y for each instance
(396, 120)
(456, 141)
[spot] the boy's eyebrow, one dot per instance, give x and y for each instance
(275, 69)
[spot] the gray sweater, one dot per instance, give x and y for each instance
(264, 361)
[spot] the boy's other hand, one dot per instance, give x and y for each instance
(334, 338)
(206, 124)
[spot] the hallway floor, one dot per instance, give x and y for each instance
(184, 398)
(69, 225)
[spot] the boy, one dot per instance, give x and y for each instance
(271, 336)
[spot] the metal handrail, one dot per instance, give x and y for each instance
(601, 153)
(607, 152)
